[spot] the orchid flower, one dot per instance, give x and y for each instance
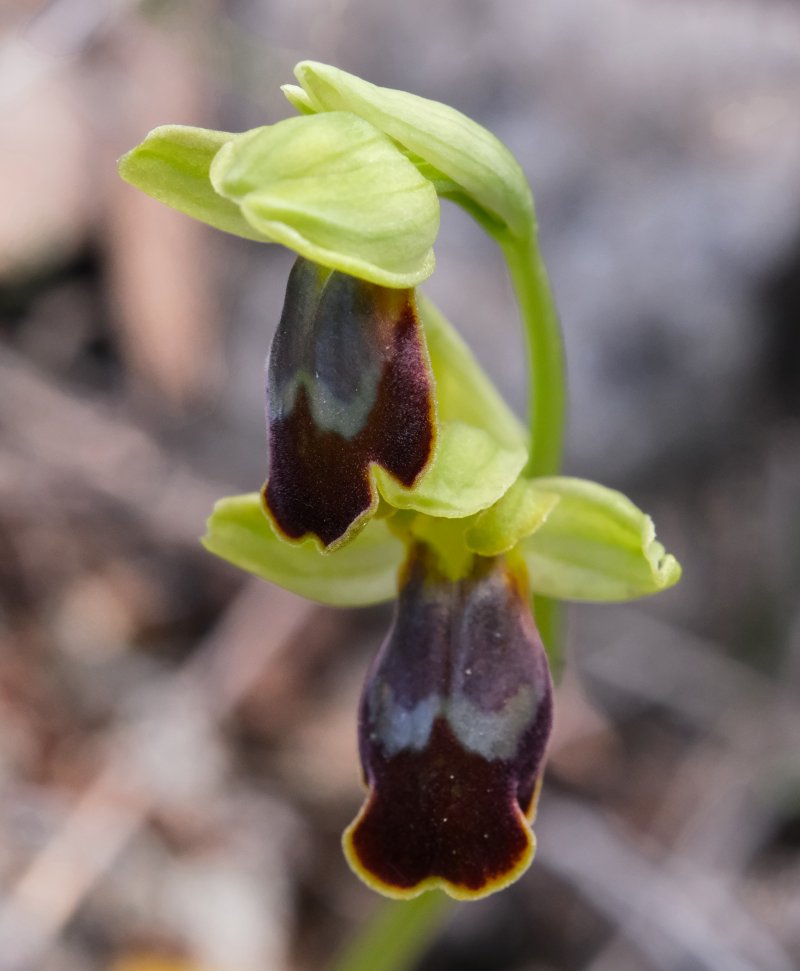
(396, 470)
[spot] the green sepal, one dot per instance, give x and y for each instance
(463, 390)
(362, 572)
(336, 190)
(477, 162)
(481, 445)
(595, 545)
(516, 515)
(172, 165)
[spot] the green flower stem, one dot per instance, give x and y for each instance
(547, 394)
(396, 936)
(547, 391)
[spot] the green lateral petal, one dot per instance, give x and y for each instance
(519, 513)
(595, 545)
(471, 471)
(298, 99)
(360, 573)
(337, 191)
(172, 165)
(481, 448)
(463, 150)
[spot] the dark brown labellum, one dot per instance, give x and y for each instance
(348, 384)
(454, 722)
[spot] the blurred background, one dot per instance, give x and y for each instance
(177, 740)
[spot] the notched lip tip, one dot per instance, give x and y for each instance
(433, 882)
(320, 545)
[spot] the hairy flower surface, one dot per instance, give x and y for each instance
(454, 722)
(348, 385)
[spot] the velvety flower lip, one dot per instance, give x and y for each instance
(349, 385)
(453, 728)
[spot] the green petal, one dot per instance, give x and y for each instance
(481, 448)
(474, 159)
(298, 99)
(362, 572)
(337, 191)
(595, 545)
(172, 165)
(519, 513)
(471, 471)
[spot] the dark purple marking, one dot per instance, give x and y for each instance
(443, 812)
(349, 384)
(454, 723)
